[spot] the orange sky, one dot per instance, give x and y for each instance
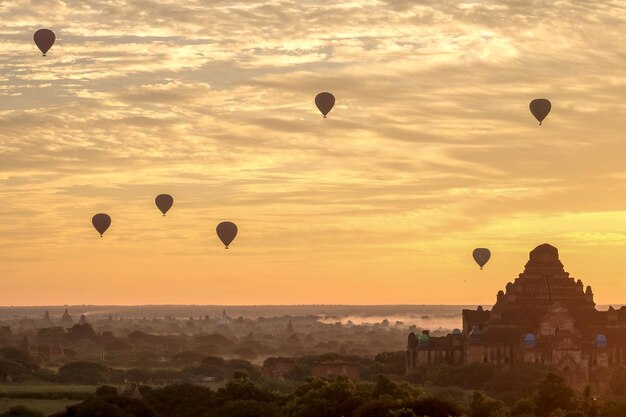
(429, 152)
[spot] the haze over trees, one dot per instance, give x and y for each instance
(212, 366)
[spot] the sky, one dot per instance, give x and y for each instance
(429, 152)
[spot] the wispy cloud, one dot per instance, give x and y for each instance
(429, 151)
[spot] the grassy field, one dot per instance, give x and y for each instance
(48, 407)
(42, 388)
(34, 396)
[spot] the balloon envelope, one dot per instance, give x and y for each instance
(325, 102)
(226, 231)
(481, 256)
(101, 222)
(540, 107)
(164, 202)
(44, 39)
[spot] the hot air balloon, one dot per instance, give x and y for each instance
(540, 107)
(44, 39)
(101, 222)
(164, 202)
(325, 102)
(481, 256)
(226, 231)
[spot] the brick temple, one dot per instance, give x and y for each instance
(544, 316)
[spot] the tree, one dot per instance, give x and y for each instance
(590, 406)
(246, 353)
(214, 361)
(186, 358)
(48, 335)
(97, 408)
(396, 390)
(523, 408)
(81, 331)
(575, 414)
(241, 365)
(118, 346)
(326, 397)
(299, 372)
(20, 356)
(183, 400)
(554, 394)
(220, 342)
(243, 389)
(109, 407)
(614, 409)
(138, 374)
(617, 382)
(245, 408)
(83, 372)
(11, 368)
(519, 381)
(106, 391)
(131, 407)
(205, 370)
(21, 411)
(434, 407)
(395, 362)
(403, 412)
(378, 408)
(483, 406)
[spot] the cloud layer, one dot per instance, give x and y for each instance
(429, 152)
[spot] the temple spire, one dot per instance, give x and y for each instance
(543, 257)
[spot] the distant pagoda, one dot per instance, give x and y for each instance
(56, 350)
(26, 346)
(67, 319)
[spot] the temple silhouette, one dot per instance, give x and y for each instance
(544, 316)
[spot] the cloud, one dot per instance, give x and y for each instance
(429, 149)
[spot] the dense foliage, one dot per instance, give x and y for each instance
(336, 397)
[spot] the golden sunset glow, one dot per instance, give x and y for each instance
(429, 152)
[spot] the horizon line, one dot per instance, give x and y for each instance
(234, 305)
(262, 305)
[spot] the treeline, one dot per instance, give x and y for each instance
(137, 342)
(17, 366)
(508, 384)
(337, 397)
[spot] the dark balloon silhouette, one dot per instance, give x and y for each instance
(101, 222)
(164, 202)
(226, 231)
(325, 102)
(44, 39)
(540, 107)
(481, 256)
